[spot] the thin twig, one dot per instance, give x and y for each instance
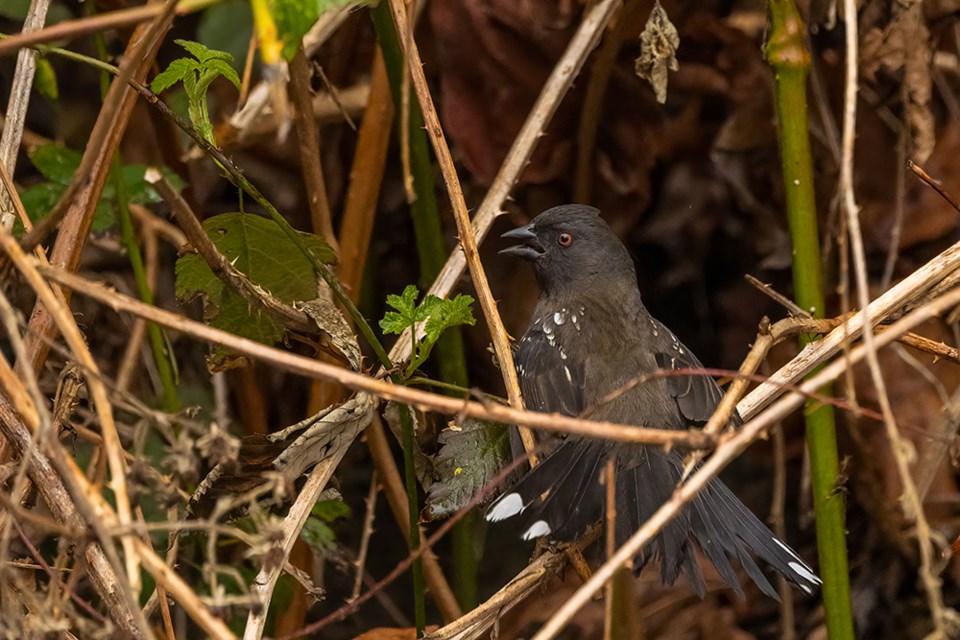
(693, 438)
(366, 534)
(67, 326)
(912, 505)
(934, 184)
(20, 98)
(69, 29)
(468, 240)
(914, 286)
(308, 144)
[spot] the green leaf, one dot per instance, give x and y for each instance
(45, 79)
(201, 52)
(175, 72)
(39, 199)
(293, 19)
(225, 69)
(140, 191)
(405, 315)
(437, 314)
(15, 9)
(316, 531)
(259, 249)
(448, 313)
(469, 457)
(56, 163)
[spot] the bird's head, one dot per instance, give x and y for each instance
(571, 246)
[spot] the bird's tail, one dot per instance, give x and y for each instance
(564, 495)
(722, 525)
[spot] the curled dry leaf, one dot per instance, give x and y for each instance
(658, 51)
(322, 434)
(328, 317)
(293, 450)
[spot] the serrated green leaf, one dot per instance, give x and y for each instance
(225, 69)
(196, 49)
(258, 248)
(175, 72)
(405, 315)
(448, 313)
(469, 457)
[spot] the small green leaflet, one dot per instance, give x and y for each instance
(316, 531)
(436, 313)
(197, 74)
(469, 457)
(259, 249)
(58, 164)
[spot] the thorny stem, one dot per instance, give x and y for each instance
(788, 56)
(248, 187)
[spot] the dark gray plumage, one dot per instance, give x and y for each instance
(589, 336)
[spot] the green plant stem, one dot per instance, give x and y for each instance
(410, 479)
(161, 355)
(432, 254)
(128, 237)
(787, 54)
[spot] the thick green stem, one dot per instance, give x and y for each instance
(787, 54)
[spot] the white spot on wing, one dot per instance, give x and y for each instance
(567, 372)
(537, 529)
(506, 507)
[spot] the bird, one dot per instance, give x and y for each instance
(589, 337)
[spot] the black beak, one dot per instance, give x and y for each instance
(529, 247)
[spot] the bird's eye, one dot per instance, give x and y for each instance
(564, 239)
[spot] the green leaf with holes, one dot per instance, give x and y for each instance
(469, 457)
(260, 250)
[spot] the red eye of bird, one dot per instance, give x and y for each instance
(564, 239)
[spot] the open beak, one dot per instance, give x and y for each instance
(528, 246)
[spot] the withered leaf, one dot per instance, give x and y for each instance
(658, 51)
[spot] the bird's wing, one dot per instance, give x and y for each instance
(549, 381)
(697, 396)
